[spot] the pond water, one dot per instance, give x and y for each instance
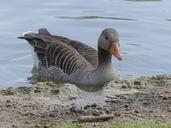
(144, 26)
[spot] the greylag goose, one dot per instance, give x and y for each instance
(67, 60)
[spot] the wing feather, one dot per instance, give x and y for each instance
(52, 52)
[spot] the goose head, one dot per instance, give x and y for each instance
(109, 41)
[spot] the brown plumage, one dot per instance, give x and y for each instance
(67, 60)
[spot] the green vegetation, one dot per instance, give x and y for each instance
(114, 125)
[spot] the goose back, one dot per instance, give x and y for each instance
(89, 53)
(53, 52)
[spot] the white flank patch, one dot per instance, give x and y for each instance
(35, 58)
(34, 55)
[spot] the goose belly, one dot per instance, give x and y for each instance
(86, 82)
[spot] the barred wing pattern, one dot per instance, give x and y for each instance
(89, 53)
(65, 58)
(57, 60)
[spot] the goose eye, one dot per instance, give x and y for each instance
(106, 38)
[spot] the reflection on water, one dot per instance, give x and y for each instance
(93, 17)
(168, 19)
(144, 27)
(134, 44)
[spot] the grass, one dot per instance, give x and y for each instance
(114, 125)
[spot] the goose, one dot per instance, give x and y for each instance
(66, 60)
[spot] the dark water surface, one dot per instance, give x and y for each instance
(144, 26)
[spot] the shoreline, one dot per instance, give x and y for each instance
(134, 100)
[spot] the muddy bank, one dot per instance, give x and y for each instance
(141, 99)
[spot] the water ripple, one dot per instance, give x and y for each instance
(144, 0)
(94, 17)
(168, 19)
(134, 44)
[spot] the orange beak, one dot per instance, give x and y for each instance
(115, 50)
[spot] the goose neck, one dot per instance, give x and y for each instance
(104, 58)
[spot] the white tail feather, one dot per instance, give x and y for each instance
(24, 33)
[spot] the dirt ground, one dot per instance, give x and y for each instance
(141, 99)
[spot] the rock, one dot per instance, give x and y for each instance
(68, 92)
(117, 113)
(137, 83)
(54, 91)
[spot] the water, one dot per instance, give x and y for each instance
(144, 26)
